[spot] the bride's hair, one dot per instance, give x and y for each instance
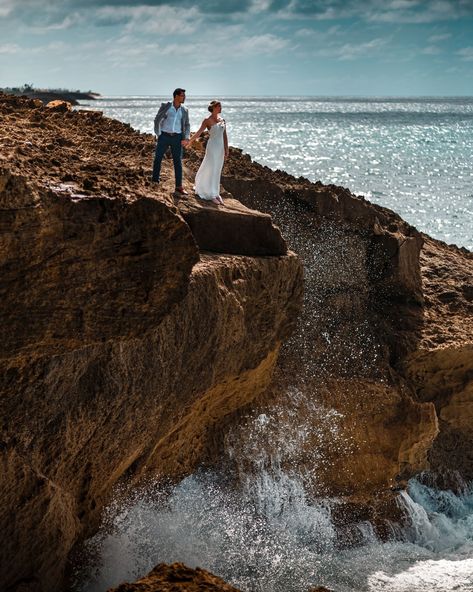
(213, 104)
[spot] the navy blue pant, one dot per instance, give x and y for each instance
(164, 141)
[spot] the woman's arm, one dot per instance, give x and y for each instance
(198, 133)
(225, 142)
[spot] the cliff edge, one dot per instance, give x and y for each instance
(123, 344)
(137, 327)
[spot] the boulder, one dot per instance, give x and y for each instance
(58, 105)
(177, 578)
(231, 228)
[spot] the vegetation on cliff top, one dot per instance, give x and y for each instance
(50, 94)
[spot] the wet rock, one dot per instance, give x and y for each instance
(361, 317)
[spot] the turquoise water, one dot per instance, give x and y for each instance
(411, 155)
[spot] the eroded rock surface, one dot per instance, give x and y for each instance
(233, 228)
(361, 317)
(128, 351)
(122, 345)
(441, 368)
(177, 578)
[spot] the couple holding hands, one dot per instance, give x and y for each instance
(172, 128)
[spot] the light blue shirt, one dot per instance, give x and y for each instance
(172, 122)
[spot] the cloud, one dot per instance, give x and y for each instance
(326, 33)
(232, 43)
(466, 54)
(205, 6)
(392, 11)
(44, 15)
(431, 50)
(441, 37)
(6, 7)
(421, 11)
(10, 48)
(304, 32)
(40, 16)
(69, 21)
(261, 44)
(14, 48)
(352, 51)
(164, 20)
(260, 5)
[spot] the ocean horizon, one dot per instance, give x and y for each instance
(410, 154)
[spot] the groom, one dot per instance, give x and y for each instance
(171, 126)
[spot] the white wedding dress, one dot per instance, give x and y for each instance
(207, 179)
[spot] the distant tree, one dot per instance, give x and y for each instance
(27, 87)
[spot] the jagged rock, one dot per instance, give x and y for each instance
(392, 245)
(59, 105)
(122, 347)
(361, 316)
(81, 420)
(84, 270)
(176, 578)
(128, 353)
(441, 368)
(232, 228)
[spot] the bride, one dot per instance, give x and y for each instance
(207, 179)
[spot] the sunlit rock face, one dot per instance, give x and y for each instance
(143, 334)
(441, 368)
(122, 345)
(361, 317)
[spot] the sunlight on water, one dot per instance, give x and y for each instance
(411, 155)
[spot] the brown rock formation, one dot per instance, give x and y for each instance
(59, 105)
(177, 578)
(441, 368)
(361, 317)
(232, 229)
(122, 347)
(127, 350)
(71, 265)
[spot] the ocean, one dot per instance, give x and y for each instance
(412, 155)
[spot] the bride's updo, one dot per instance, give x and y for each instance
(213, 104)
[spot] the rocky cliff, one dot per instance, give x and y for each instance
(441, 366)
(123, 345)
(137, 328)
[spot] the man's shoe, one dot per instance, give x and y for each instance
(181, 191)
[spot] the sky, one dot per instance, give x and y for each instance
(240, 47)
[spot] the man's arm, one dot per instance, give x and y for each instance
(159, 116)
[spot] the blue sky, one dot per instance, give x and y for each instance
(240, 47)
